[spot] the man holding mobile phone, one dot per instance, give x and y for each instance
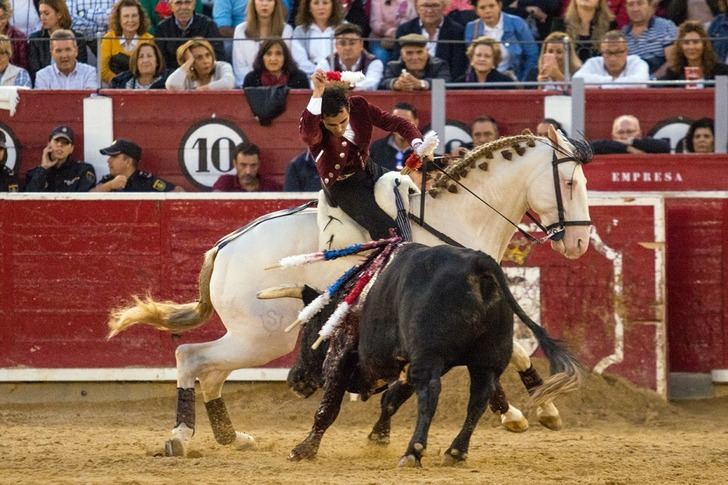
(58, 171)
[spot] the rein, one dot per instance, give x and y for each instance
(553, 231)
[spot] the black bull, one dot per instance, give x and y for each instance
(431, 309)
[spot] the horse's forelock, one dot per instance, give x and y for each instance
(581, 150)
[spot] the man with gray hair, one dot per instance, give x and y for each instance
(615, 65)
(65, 72)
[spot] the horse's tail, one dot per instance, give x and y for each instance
(168, 316)
(565, 369)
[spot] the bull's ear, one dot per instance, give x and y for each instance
(553, 136)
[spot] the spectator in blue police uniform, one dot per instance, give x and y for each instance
(58, 171)
(124, 174)
(8, 180)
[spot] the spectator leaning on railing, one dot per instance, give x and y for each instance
(10, 74)
(65, 72)
(199, 70)
(627, 138)
(128, 26)
(275, 66)
(615, 65)
(18, 37)
(350, 55)
(520, 54)
(444, 35)
(484, 54)
(265, 19)
(416, 68)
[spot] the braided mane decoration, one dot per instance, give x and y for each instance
(461, 168)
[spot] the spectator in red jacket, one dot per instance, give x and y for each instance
(246, 161)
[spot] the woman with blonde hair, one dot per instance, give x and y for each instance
(199, 70)
(586, 22)
(484, 55)
(265, 19)
(694, 56)
(128, 25)
(552, 62)
(146, 69)
(10, 74)
(53, 16)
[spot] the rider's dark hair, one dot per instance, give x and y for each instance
(333, 101)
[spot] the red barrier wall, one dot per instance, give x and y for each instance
(66, 263)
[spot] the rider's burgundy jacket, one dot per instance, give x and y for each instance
(338, 157)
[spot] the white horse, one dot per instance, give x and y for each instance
(512, 175)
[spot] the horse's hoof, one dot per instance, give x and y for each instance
(409, 461)
(516, 426)
(302, 452)
(380, 439)
(174, 447)
(551, 422)
(453, 457)
(243, 441)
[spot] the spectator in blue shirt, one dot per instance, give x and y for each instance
(10, 74)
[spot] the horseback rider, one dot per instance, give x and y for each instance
(338, 130)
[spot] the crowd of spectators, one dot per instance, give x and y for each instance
(397, 43)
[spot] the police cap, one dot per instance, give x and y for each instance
(128, 148)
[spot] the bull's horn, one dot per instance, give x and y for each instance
(283, 291)
(293, 325)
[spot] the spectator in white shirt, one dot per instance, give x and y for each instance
(65, 72)
(350, 55)
(199, 70)
(265, 19)
(615, 65)
(314, 32)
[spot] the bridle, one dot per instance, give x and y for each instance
(553, 232)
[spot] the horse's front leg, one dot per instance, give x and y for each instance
(548, 414)
(333, 392)
(392, 399)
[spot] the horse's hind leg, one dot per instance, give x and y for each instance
(392, 399)
(511, 417)
(212, 362)
(482, 385)
(548, 414)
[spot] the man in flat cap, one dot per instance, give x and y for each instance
(416, 68)
(58, 171)
(8, 179)
(124, 174)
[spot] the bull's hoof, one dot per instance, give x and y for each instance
(410, 461)
(453, 457)
(243, 441)
(304, 451)
(377, 438)
(516, 426)
(553, 423)
(174, 447)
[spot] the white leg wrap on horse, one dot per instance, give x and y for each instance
(179, 443)
(520, 358)
(514, 420)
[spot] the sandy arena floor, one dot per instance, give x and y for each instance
(613, 434)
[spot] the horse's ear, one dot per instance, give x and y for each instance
(553, 136)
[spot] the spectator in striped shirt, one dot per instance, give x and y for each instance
(648, 36)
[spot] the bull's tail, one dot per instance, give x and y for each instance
(168, 316)
(565, 369)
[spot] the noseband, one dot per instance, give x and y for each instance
(553, 232)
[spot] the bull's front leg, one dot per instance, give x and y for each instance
(329, 407)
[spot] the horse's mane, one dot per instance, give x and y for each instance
(459, 169)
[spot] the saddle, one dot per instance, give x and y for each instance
(337, 230)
